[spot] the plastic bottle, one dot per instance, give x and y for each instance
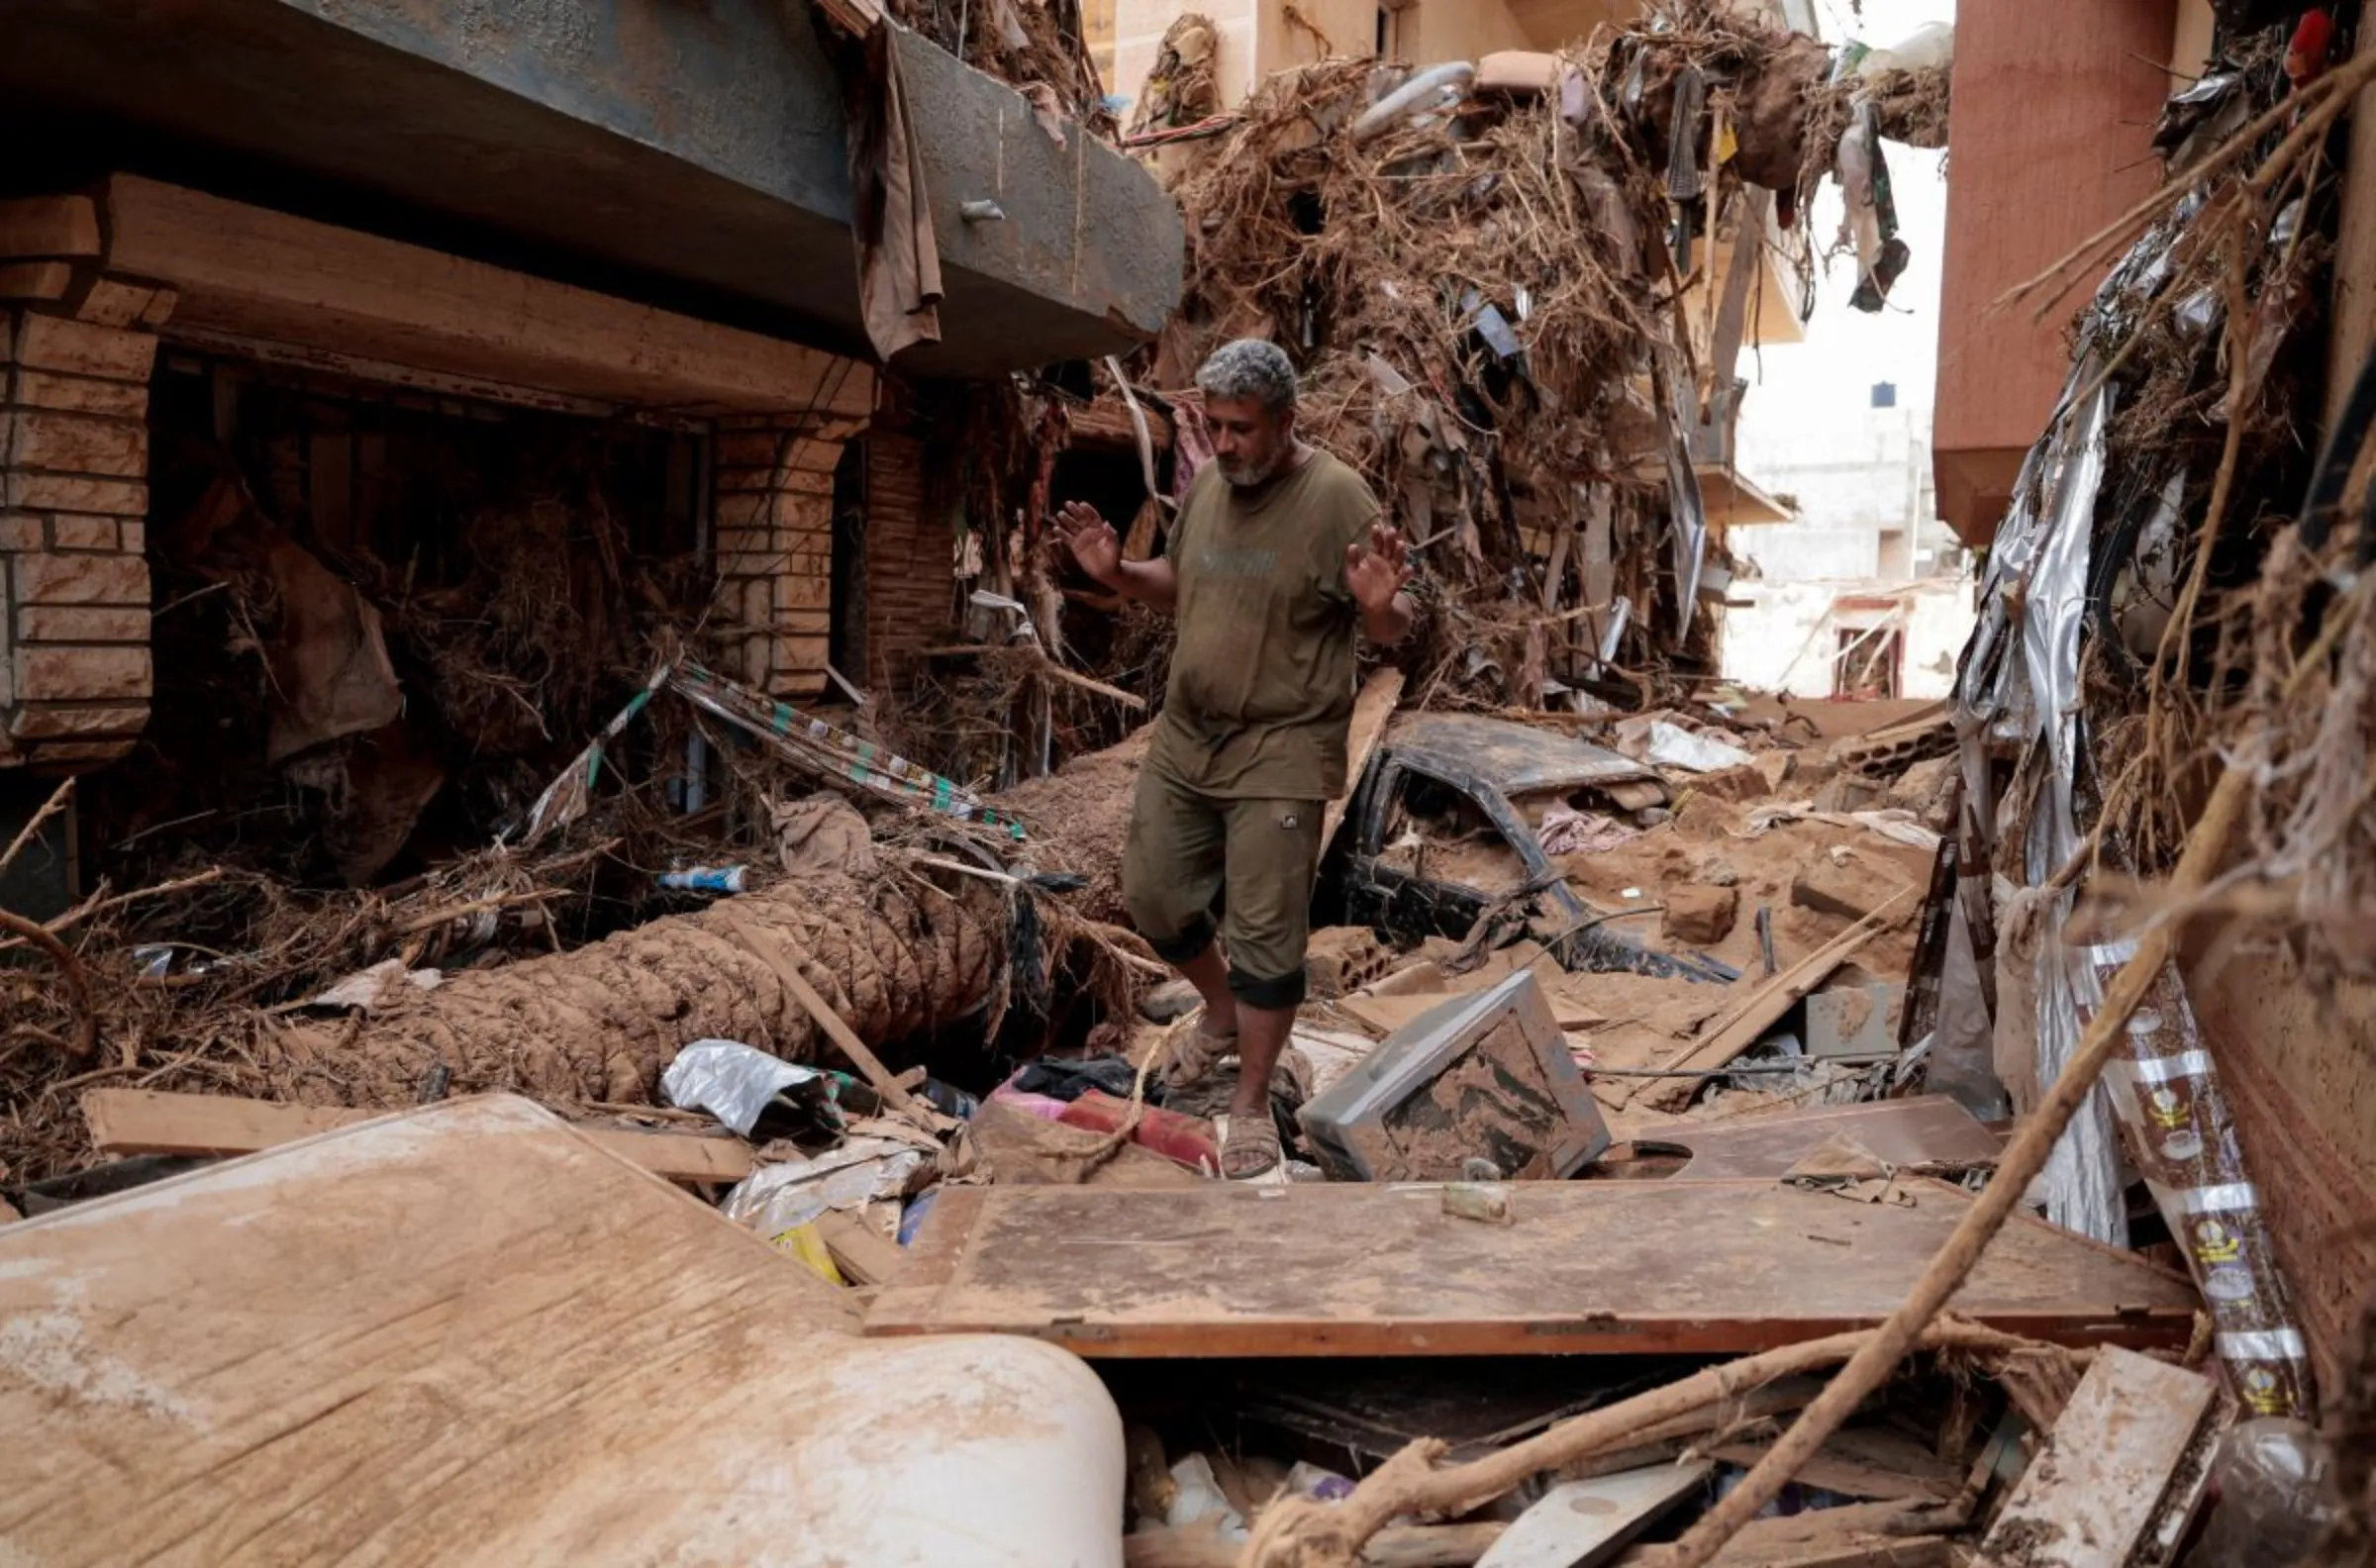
(2274, 1496)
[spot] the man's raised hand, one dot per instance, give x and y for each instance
(1376, 572)
(1091, 539)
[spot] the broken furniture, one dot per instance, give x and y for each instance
(154, 1121)
(1486, 1076)
(1588, 1267)
(468, 1333)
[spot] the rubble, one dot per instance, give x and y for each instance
(1606, 1108)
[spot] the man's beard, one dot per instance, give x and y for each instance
(1247, 476)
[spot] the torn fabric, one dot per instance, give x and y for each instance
(890, 211)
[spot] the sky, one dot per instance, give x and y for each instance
(1847, 351)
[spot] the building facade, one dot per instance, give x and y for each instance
(331, 247)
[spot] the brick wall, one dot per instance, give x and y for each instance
(908, 584)
(774, 521)
(74, 667)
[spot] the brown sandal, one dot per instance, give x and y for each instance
(1250, 1148)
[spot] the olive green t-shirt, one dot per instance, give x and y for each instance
(1262, 688)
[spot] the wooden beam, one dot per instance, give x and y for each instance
(2093, 1489)
(48, 226)
(153, 1122)
(1360, 1268)
(247, 274)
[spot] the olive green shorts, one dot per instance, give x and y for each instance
(1192, 857)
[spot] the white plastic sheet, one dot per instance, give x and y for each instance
(730, 1080)
(778, 1198)
(1672, 745)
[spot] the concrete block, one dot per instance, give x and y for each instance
(1847, 792)
(132, 537)
(81, 579)
(1736, 784)
(83, 674)
(21, 530)
(1343, 959)
(1829, 889)
(1700, 916)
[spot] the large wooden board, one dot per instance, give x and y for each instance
(153, 1121)
(465, 1334)
(2090, 1494)
(1923, 1130)
(1363, 1269)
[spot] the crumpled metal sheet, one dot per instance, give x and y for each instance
(2019, 681)
(1689, 527)
(2083, 1180)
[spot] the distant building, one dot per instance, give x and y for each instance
(1863, 593)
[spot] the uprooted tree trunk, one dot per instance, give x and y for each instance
(894, 957)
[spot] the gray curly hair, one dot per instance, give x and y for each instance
(1249, 368)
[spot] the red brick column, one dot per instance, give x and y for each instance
(74, 669)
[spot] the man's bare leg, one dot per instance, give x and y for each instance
(1261, 1035)
(1211, 977)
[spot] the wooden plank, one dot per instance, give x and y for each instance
(1364, 1269)
(2093, 1489)
(1921, 1132)
(153, 1121)
(465, 1334)
(252, 273)
(1585, 1523)
(48, 226)
(1372, 709)
(863, 1254)
(1746, 1024)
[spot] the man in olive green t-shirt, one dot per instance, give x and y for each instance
(1276, 561)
